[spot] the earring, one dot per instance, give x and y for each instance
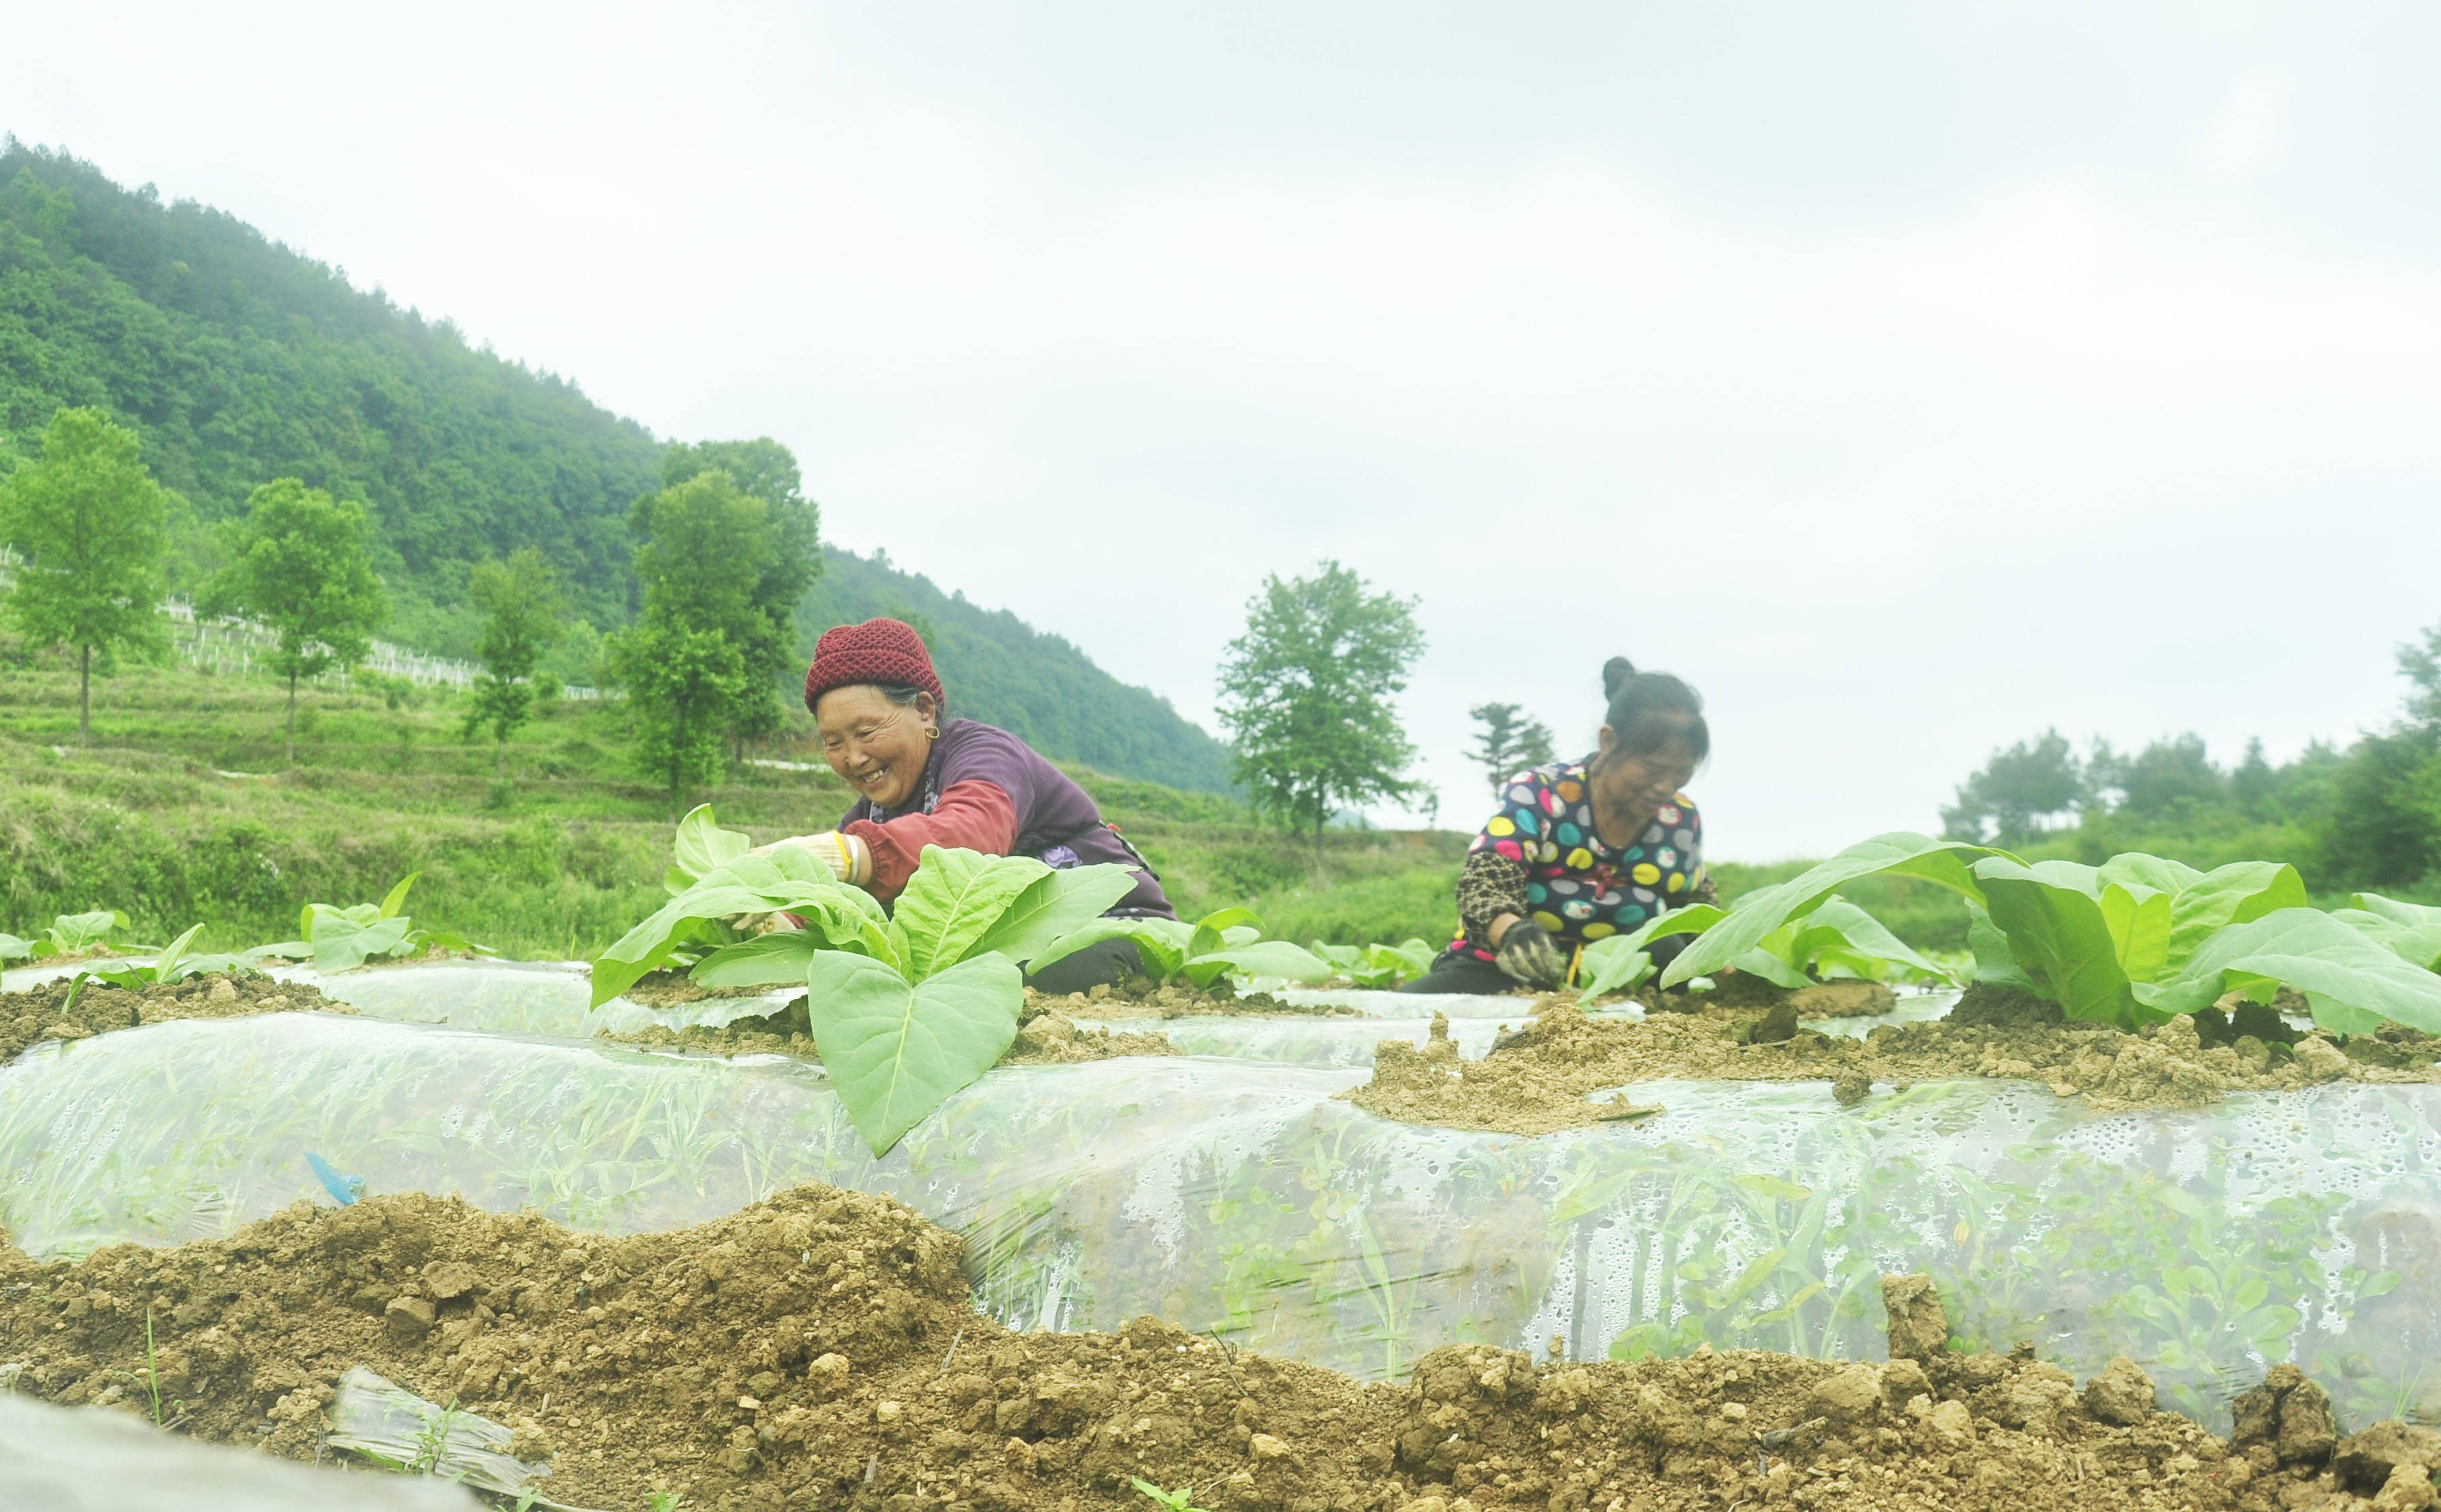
(931, 733)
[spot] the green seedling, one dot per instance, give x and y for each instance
(665, 1502)
(170, 967)
(70, 934)
(1227, 944)
(339, 938)
(1377, 966)
(1182, 1500)
(152, 1368)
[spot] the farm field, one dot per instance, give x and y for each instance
(1252, 1223)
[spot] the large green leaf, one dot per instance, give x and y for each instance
(2408, 937)
(700, 847)
(12, 948)
(1946, 863)
(1213, 931)
(1994, 963)
(896, 1049)
(2138, 920)
(2057, 933)
(763, 960)
(1259, 958)
(786, 880)
(2236, 893)
(2352, 981)
(1618, 962)
(1051, 907)
(341, 942)
(2137, 871)
(1841, 933)
(953, 900)
(1161, 943)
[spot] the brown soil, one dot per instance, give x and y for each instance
(42, 1013)
(1139, 998)
(1536, 1081)
(1046, 1039)
(817, 1350)
(668, 989)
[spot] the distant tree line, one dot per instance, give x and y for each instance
(2365, 815)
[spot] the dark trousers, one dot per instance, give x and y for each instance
(1455, 973)
(1109, 961)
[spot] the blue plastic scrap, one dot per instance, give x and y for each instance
(343, 1189)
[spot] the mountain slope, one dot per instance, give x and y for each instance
(1000, 670)
(239, 361)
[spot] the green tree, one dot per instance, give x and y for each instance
(1509, 743)
(302, 565)
(521, 605)
(1306, 692)
(2007, 803)
(791, 560)
(700, 664)
(87, 519)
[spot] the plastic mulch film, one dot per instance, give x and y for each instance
(94, 1459)
(1242, 1197)
(1297, 1042)
(394, 1428)
(516, 998)
(1375, 1002)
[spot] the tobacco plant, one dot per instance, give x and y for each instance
(1377, 966)
(2133, 941)
(1228, 943)
(341, 938)
(1833, 940)
(68, 934)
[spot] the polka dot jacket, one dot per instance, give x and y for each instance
(1575, 886)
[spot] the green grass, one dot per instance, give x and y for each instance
(183, 811)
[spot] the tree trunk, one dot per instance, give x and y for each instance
(84, 700)
(291, 719)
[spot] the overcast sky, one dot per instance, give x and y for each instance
(1909, 377)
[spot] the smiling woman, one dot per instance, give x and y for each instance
(958, 783)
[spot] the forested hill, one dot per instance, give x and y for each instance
(239, 361)
(1000, 670)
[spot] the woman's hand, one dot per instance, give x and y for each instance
(1530, 955)
(849, 858)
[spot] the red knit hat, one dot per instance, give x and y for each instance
(879, 651)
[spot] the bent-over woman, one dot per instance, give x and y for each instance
(924, 778)
(1586, 849)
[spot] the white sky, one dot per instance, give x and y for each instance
(1909, 377)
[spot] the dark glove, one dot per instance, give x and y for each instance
(1666, 948)
(1530, 955)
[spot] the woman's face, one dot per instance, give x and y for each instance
(1631, 789)
(879, 747)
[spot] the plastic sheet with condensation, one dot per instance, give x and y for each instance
(1246, 1198)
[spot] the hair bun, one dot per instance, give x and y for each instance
(1614, 675)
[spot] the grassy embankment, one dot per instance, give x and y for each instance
(183, 811)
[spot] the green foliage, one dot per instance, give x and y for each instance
(521, 605)
(2010, 800)
(1834, 940)
(1377, 966)
(1182, 1500)
(174, 964)
(1509, 743)
(1037, 686)
(87, 519)
(1306, 692)
(1226, 944)
(774, 578)
(720, 570)
(238, 360)
(342, 939)
(302, 565)
(70, 934)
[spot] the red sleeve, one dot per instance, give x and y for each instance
(972, 816)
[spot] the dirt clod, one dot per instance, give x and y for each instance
(1919, 1324)
(2366, 1461)
(2120, 1393)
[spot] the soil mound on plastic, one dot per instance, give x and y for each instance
(668, 989)
(817, 1350)
(1046, 1038)
(43, 1013)
(1536, 1081)
(1141, 997)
